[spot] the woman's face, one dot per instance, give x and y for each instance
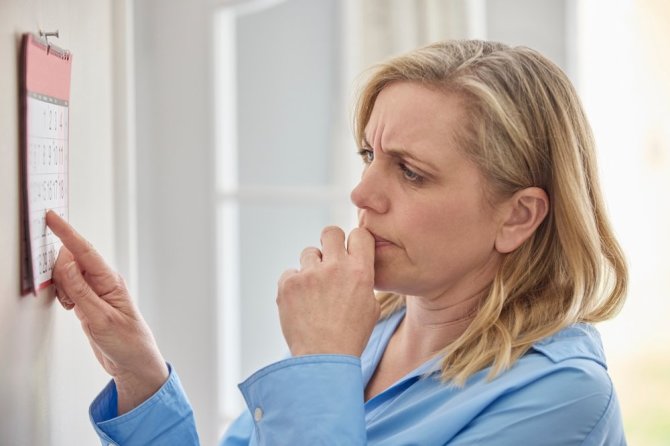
(423, 199)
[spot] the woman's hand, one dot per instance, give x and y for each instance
(329, 307)
(119, 336)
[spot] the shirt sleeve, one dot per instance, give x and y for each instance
(575, 405)
(166, 418)
(307, 400)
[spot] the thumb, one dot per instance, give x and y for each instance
(75, 286)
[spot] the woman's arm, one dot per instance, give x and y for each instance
(327, 311)
(122, 343)
(119, 336)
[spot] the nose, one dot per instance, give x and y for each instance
(372, 192)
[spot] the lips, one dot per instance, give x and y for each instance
(380, 241)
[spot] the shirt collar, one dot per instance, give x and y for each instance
(575, 341)
(379, 339)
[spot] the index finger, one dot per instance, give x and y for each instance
(361, 244)
(87, 257)
(332, 242)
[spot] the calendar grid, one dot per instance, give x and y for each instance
(47, 179)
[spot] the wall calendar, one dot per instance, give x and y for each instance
(45, 119)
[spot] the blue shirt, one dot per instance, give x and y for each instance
(559, 393)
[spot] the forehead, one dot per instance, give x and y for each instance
(407, 112)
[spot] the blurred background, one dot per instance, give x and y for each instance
(275, 82)
(212, 140)
(285, 76)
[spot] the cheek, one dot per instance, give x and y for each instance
(451, 230)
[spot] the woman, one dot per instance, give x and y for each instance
(482, 225)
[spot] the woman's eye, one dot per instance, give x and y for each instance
(409, 174)
(367, 155)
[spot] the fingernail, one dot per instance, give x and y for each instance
(72, 270)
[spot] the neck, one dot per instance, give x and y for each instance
(430, 325)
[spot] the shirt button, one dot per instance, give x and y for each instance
(258, 414)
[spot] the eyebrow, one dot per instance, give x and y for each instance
(401, 153)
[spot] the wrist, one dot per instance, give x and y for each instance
(133, 388)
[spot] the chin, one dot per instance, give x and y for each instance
(392, 278)
(381, 285)
(406, 285)
(386, 283)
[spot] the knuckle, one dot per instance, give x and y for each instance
(291, 282)
(89, 252)
(285, 280)
(309, 279)
(108, 283)
(88, 248)
(310, 250)
(332, 229)
(80, 289)
(119, 285)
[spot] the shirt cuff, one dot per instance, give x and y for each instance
(307, 399)
(163, 418)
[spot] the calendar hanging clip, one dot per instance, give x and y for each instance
(46, 36)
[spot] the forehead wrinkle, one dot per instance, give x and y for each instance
(382, 140)
(387, 128)
(376, 137)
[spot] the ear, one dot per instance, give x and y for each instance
(523, 213)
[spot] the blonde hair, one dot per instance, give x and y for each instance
(524, 127)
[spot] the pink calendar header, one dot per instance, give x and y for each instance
(47, 69)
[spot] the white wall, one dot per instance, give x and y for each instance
(48, 375)
(175, 193)
(542, 25)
